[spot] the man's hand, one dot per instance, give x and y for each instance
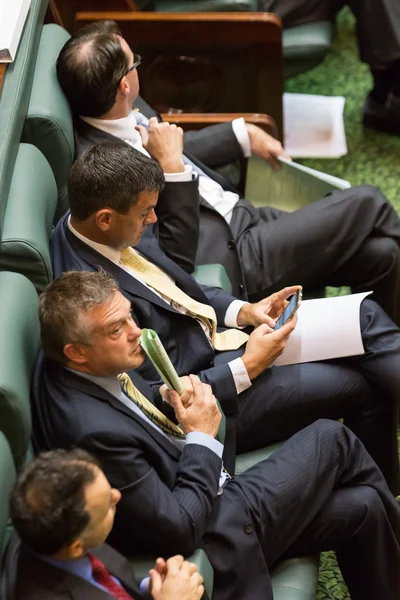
(164, 142)
(266, 310)
(187, 398)
(203, 413)
(178, 579)
(264, 347)
(265, 146)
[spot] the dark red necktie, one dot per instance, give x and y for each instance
(103, 577)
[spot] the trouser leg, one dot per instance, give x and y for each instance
(319, 242)
(376, 266)
(288, 494)
(283, 400)
(378, 22)
(378, 30)
(354, 522)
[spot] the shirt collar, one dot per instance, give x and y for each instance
(80, 566)
(109, 384)
(113, 255)
(123, 129)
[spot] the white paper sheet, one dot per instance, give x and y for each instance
(327, 328)
(314, 126)
(12, 18)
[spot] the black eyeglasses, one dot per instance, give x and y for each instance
(138, 60)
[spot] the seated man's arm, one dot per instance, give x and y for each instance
(177, 228)
(215, 146)
(167, 517)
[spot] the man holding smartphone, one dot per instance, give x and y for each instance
(113, 191)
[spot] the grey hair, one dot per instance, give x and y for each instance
(63, 304)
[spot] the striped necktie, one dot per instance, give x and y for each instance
(231, 339)
(151, 411)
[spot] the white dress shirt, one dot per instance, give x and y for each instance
(238, 370)
(223, 201)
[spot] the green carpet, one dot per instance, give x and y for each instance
(372, 158)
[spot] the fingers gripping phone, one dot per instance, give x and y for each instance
(291, 308)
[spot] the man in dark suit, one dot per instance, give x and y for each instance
(378, 35)
(350, 237)
(110, 213)
(63, 509)
(320, 490)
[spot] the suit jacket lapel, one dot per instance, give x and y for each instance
(88, 387)
(150, 249)
(62, 582)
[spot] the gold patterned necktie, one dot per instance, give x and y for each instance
(151, 411)
(231, 339)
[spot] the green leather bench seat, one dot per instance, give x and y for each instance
(19, 333)
(15, 95)
(32, 201)
(305, 46)
(48, 123)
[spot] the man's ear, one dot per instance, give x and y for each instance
(124, 87)
(104, 219)
(75, 353)
(76, 549)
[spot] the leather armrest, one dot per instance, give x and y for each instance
(199, 120)
(213, 275)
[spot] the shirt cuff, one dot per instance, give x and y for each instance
(185, 175)
(232, 313)
(143, 586)
(240, 131)
(203, 439)
(240, 375)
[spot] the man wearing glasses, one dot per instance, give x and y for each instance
(350, 237)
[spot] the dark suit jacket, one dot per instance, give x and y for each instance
(169, 501)
(215, 241)
(27, 577)
(183, 337)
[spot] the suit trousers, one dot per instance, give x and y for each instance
(321, 490)
(350, 237)
(363, 390)
(378, 22)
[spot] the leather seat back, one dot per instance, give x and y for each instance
(15, 96)
(19, 344)
(48, 124)
(31, 205)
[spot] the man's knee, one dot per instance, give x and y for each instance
(329, 428)
(374, 319)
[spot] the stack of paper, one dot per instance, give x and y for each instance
(12, 18)
(314, 126)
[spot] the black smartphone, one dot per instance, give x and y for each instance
(294, 303)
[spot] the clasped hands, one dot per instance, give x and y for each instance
(175, 578)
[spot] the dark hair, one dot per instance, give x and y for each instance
(90, 67)
(62, 305)
(47, 504)
(111, 174)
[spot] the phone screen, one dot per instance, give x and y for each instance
(294, 303)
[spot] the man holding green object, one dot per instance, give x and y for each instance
(113, 191)
(320, 490)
